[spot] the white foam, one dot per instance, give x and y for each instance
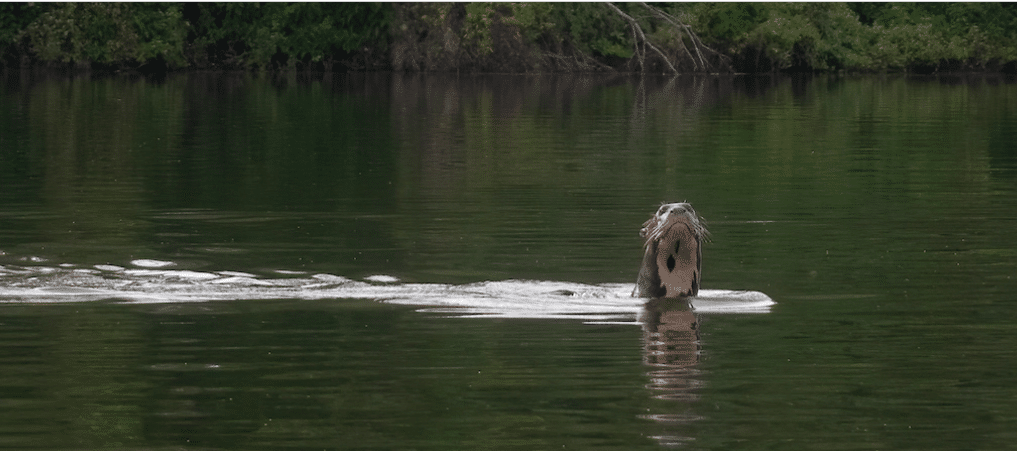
(241, 281)
(108, 267)
(179, 274)
(604, 303)
(235, 273)
(727, 301)
(381, 279)
(146, 263)
(329, 278)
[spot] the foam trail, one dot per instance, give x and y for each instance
(151, 283)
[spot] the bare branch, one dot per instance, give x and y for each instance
(680, 26)
(724, 60)
(641, 37)
(699, 57)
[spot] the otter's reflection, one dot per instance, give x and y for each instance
(671, 350)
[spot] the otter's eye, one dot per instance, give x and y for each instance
(678, 246)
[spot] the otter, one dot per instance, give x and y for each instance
(673, 256)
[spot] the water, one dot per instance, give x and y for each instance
(186, 262)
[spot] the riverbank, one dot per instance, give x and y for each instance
(513, 37)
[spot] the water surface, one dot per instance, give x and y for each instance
(876, 211)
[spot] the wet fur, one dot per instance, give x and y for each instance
(673, 257)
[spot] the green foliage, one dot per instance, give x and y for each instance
(933, 35)
(477, 28)
(787, 30)
(250, 34)
(108, 33)
(14, 17)
(594, 28)
(239, 34)
(728, 21)
(160, 33)
(863, 36)
(448, 36)
(534, 20)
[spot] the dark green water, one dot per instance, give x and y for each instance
(878, 212)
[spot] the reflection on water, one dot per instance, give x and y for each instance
(671, 349)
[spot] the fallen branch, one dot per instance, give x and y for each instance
(697, 44)
(641, 38)
(699, 61)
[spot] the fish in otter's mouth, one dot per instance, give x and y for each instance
(673, 259)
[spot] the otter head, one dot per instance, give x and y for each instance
(672, 260)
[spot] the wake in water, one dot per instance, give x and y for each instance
(151, 281)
